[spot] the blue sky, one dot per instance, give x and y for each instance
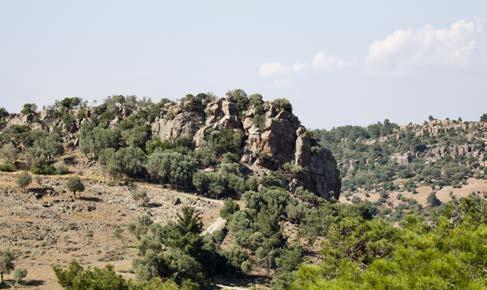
(339, 62)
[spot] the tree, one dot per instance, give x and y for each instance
(6, 263)
(74, 184)
(24, 180)
(8, 153)
(444, 253)
(18, 275)
(433, 200)
(180, 252)
(229, 208)
(483, 118)
(29, 109)
(128, 161)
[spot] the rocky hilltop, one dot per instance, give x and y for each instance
(271, 135)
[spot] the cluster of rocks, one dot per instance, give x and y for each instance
(474, 132)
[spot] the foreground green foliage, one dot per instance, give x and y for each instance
(449, 252)
(178, 251)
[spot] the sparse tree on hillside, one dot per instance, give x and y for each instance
(6, 263)
(483, 118)
(141, 197)
(75, 185)
(8, 153)
(24, 180)
(433, 200)
(128, 161)
(29, 109)
(18, 275)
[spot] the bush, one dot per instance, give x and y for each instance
(283, 104)
(94, 139)
(217, 184)
(77, 278)
(8, 153)
(24, 180)
(6, 263)
(61, 168)
(7, 167)
(179, 251)
(44, 170)
(141, 197)
(128, 161)
(18, 275)
(226, 140)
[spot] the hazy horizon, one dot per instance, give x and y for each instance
(338, 63)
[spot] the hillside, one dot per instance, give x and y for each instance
(233, 192)
(398, 167)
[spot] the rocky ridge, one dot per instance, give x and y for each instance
(272, 135)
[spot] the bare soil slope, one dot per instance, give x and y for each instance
(44, 225)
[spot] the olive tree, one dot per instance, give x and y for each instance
(74, 184)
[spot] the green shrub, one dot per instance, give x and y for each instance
(7, 167)
(226, 140)
(46, 169)
(24, 180)
(172, 167)
(76, 278)
(61, 168)
(8, 153)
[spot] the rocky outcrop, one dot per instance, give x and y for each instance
(273, 136)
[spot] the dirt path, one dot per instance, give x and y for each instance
(216, 226)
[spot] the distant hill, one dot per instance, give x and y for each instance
(385, 158)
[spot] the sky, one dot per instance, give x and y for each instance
(338, 62)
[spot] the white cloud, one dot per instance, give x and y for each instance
(273, 69)
(405, 49)
(323, 61)
(320, 61)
